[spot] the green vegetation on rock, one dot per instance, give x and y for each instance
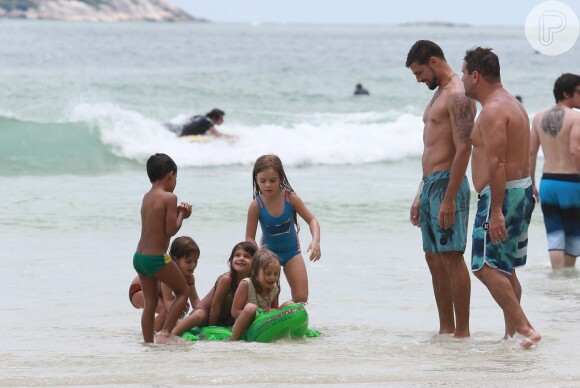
(19, 5)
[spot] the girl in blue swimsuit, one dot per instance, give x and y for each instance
(275, 206)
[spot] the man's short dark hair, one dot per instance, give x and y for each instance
(158, 166)
(422, 50)
(484, 61)
(215, 114)
(566, 83)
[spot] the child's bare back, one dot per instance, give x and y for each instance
(158, 216)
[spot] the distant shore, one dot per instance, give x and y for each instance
(435, 24)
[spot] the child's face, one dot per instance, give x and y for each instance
(268, 181)
(188, 264)
(242, 262)
(269, 276)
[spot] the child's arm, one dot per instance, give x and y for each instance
(302, 210)
(275, 302)
(240, 299)
(221, 289)
(244, 312)
(173, 217)
(252, 223)
(193, 296)
(175, 214)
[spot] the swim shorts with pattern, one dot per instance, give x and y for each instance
(436, 239)
(517, 209)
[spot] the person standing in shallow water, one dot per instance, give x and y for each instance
(441, 206)
(161, 218)
(500, 167)
(557, 130)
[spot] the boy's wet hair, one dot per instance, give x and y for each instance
(485, 62)
(215, 114)
(422, 50)
(159, 165)
(262, 258)
(264, 163)
(249, 248)
(566, 83)
(183, 246)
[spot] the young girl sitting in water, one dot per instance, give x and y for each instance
(215, 308)
(260, 290)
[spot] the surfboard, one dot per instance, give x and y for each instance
(197, 138)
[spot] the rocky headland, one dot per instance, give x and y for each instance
(94, 10)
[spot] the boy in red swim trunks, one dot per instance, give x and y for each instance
(161, 218)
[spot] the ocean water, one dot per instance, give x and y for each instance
(82, 107)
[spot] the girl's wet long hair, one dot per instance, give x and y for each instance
(262, 258)
(264, 163)
(249, 248)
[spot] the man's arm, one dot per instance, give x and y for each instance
(534, 148)
(215, 132)
(493, 125)
(462, 114)
(575, 141)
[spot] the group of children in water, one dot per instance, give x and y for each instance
(165, 283)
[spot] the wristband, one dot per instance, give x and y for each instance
(420, 190)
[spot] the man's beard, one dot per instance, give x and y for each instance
(433, 83)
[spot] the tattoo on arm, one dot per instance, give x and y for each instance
(552, 121)
(464, 116)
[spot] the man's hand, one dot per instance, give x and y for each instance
(415, 212)
(446, 215)
(497, 230)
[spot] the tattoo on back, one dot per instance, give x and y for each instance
(552, 121)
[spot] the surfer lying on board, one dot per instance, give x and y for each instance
(201, 125)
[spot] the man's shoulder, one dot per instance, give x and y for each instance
(575, 115)
(497, 107)
(456, 90)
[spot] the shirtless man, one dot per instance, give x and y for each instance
(441, 207)
(501, 174)
(557, 130)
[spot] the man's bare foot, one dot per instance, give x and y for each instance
(529, 340)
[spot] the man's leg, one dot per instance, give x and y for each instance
(458, 276)
(560, 260)
(557, 259)
(443, 293)
(569, 261)
(502, 291)
(516, 286)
